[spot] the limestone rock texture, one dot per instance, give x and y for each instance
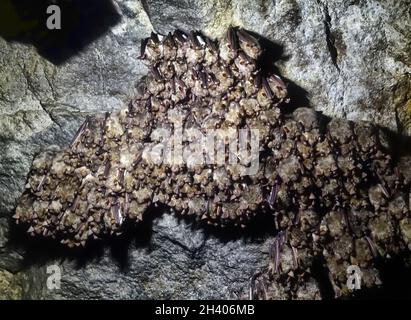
(348, 59)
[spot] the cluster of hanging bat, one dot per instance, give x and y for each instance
(330, 186)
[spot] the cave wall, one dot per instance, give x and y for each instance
(348, 59)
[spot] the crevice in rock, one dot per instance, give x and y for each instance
(50, 84)
(50, 114)
(321, 274)
(329, 37)
(144, 5)
(35, 94)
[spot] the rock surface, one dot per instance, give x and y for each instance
(351, 57)
(175, 262)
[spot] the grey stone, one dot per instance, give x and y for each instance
(178, 263)
(11, 261)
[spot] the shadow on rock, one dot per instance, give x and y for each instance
(272, 53)
(82, 21)
(40, 250)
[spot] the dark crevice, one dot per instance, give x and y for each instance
(329, 36)
(322, 275)
(50, 114)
